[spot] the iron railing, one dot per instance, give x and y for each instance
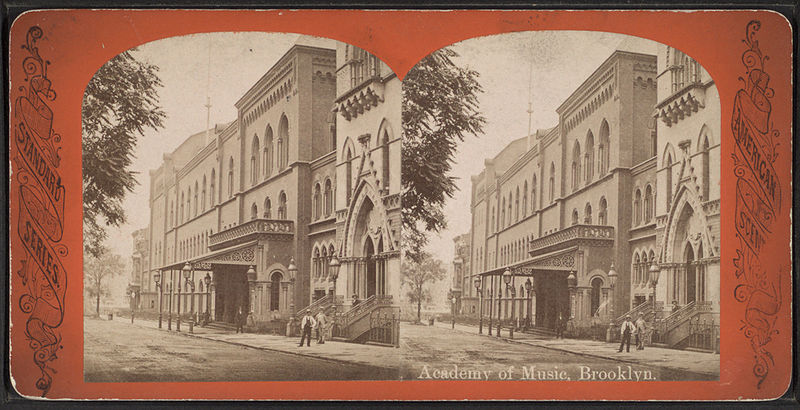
(704, 334)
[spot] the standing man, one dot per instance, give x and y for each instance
(453, 311)
(560, 326)
(306, 324)
(641, 328)
(239, 320)
(625, 330)
(321, 326)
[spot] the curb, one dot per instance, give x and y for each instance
(592, 355)
(330, 359)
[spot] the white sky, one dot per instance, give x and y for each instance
(562, 60)
(238, 60)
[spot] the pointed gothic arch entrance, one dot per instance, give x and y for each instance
(369, 255)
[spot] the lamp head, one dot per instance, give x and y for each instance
(186, 270)
(507, 276)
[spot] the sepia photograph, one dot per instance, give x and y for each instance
(580, 215)
(241, 189)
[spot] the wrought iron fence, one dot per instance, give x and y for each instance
(384, 327)
(704, 334)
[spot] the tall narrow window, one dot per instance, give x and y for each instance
(269, 152)
(705, 156)
(602, 214)
(587, 217)
(534, 204)
(328, 198)
(196, 185)
(604, 148)
(510, 203)
(283, 143)
(637, 207)
(348, 175)
(574, 216)
(516, 206)
(230, 177)
(576, 165)
(648, 204)
(212, 198)
(385, 152)
(203, 196)
(525, 199)
(254, 151)
(253, 211)
(669, 181)
(597, 285)
(317, 201)
(275, 291)
(189, 203)
(589, 158)
(503, 214)
(267, 208)
(282, 205)
(171, 214)
(552, 187)
(182, 215)
(492, 221)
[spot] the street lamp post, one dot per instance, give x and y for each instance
(480, 304)
(333, 268)
(507, 281)
(186, 269)
(170, 291)
(133, 304)
(572, 283)
(159, 286)
(207, 281)
(654, 273)
(292, 273)
(528, 290)
(513, 309)
(612, 279)
(188, 276)
(251, 285)
(491, 305)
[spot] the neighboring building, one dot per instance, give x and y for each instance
(688, 196)
(145, 296)
(246, 201)
(460, 275)
(561, 207)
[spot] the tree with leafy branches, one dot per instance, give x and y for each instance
(119, 105)
(97, 271)
(417, 275)
(440, 107)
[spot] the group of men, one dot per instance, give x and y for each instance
(319, 322)
(629, 328)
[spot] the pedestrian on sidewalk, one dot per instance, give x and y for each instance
(641, 328)
(306, 325)
(560, 325)
(239, 320)
(625, 330)
(321, 326)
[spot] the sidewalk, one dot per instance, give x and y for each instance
(683, 360)
(363, 354)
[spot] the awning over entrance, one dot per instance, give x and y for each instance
(244, 254)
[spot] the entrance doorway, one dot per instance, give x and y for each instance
(231, 292)
(552, 298)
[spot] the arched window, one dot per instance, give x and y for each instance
(275, 291)
(669, 181)
(525, 199)
(267, 208)
(597, 285)
(589, 158)
(637, 207)
(510, 203)
(636, 269)
(189, 203)
(516, 206)
(348, 175)
(648, 204)
(605, 148)
(283, 143)
(268, 152)
(282, 205)
(315, 264)
(254, 151)
(587, 217)
(602, 214)
(253, 211)
(171, 214)
(534, 205)
(182, 213)
(212, 198)
(552, 187)
(230, 177)
(576, 165)
(574, 216)
(203, 196)
(328, 198)
(317, 201)
(385, 152)
(503, 214)
(196, 185)
(491, 221)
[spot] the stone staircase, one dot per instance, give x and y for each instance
(374, 320)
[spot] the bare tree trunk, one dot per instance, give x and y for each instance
(419, 307)
(97, 306)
